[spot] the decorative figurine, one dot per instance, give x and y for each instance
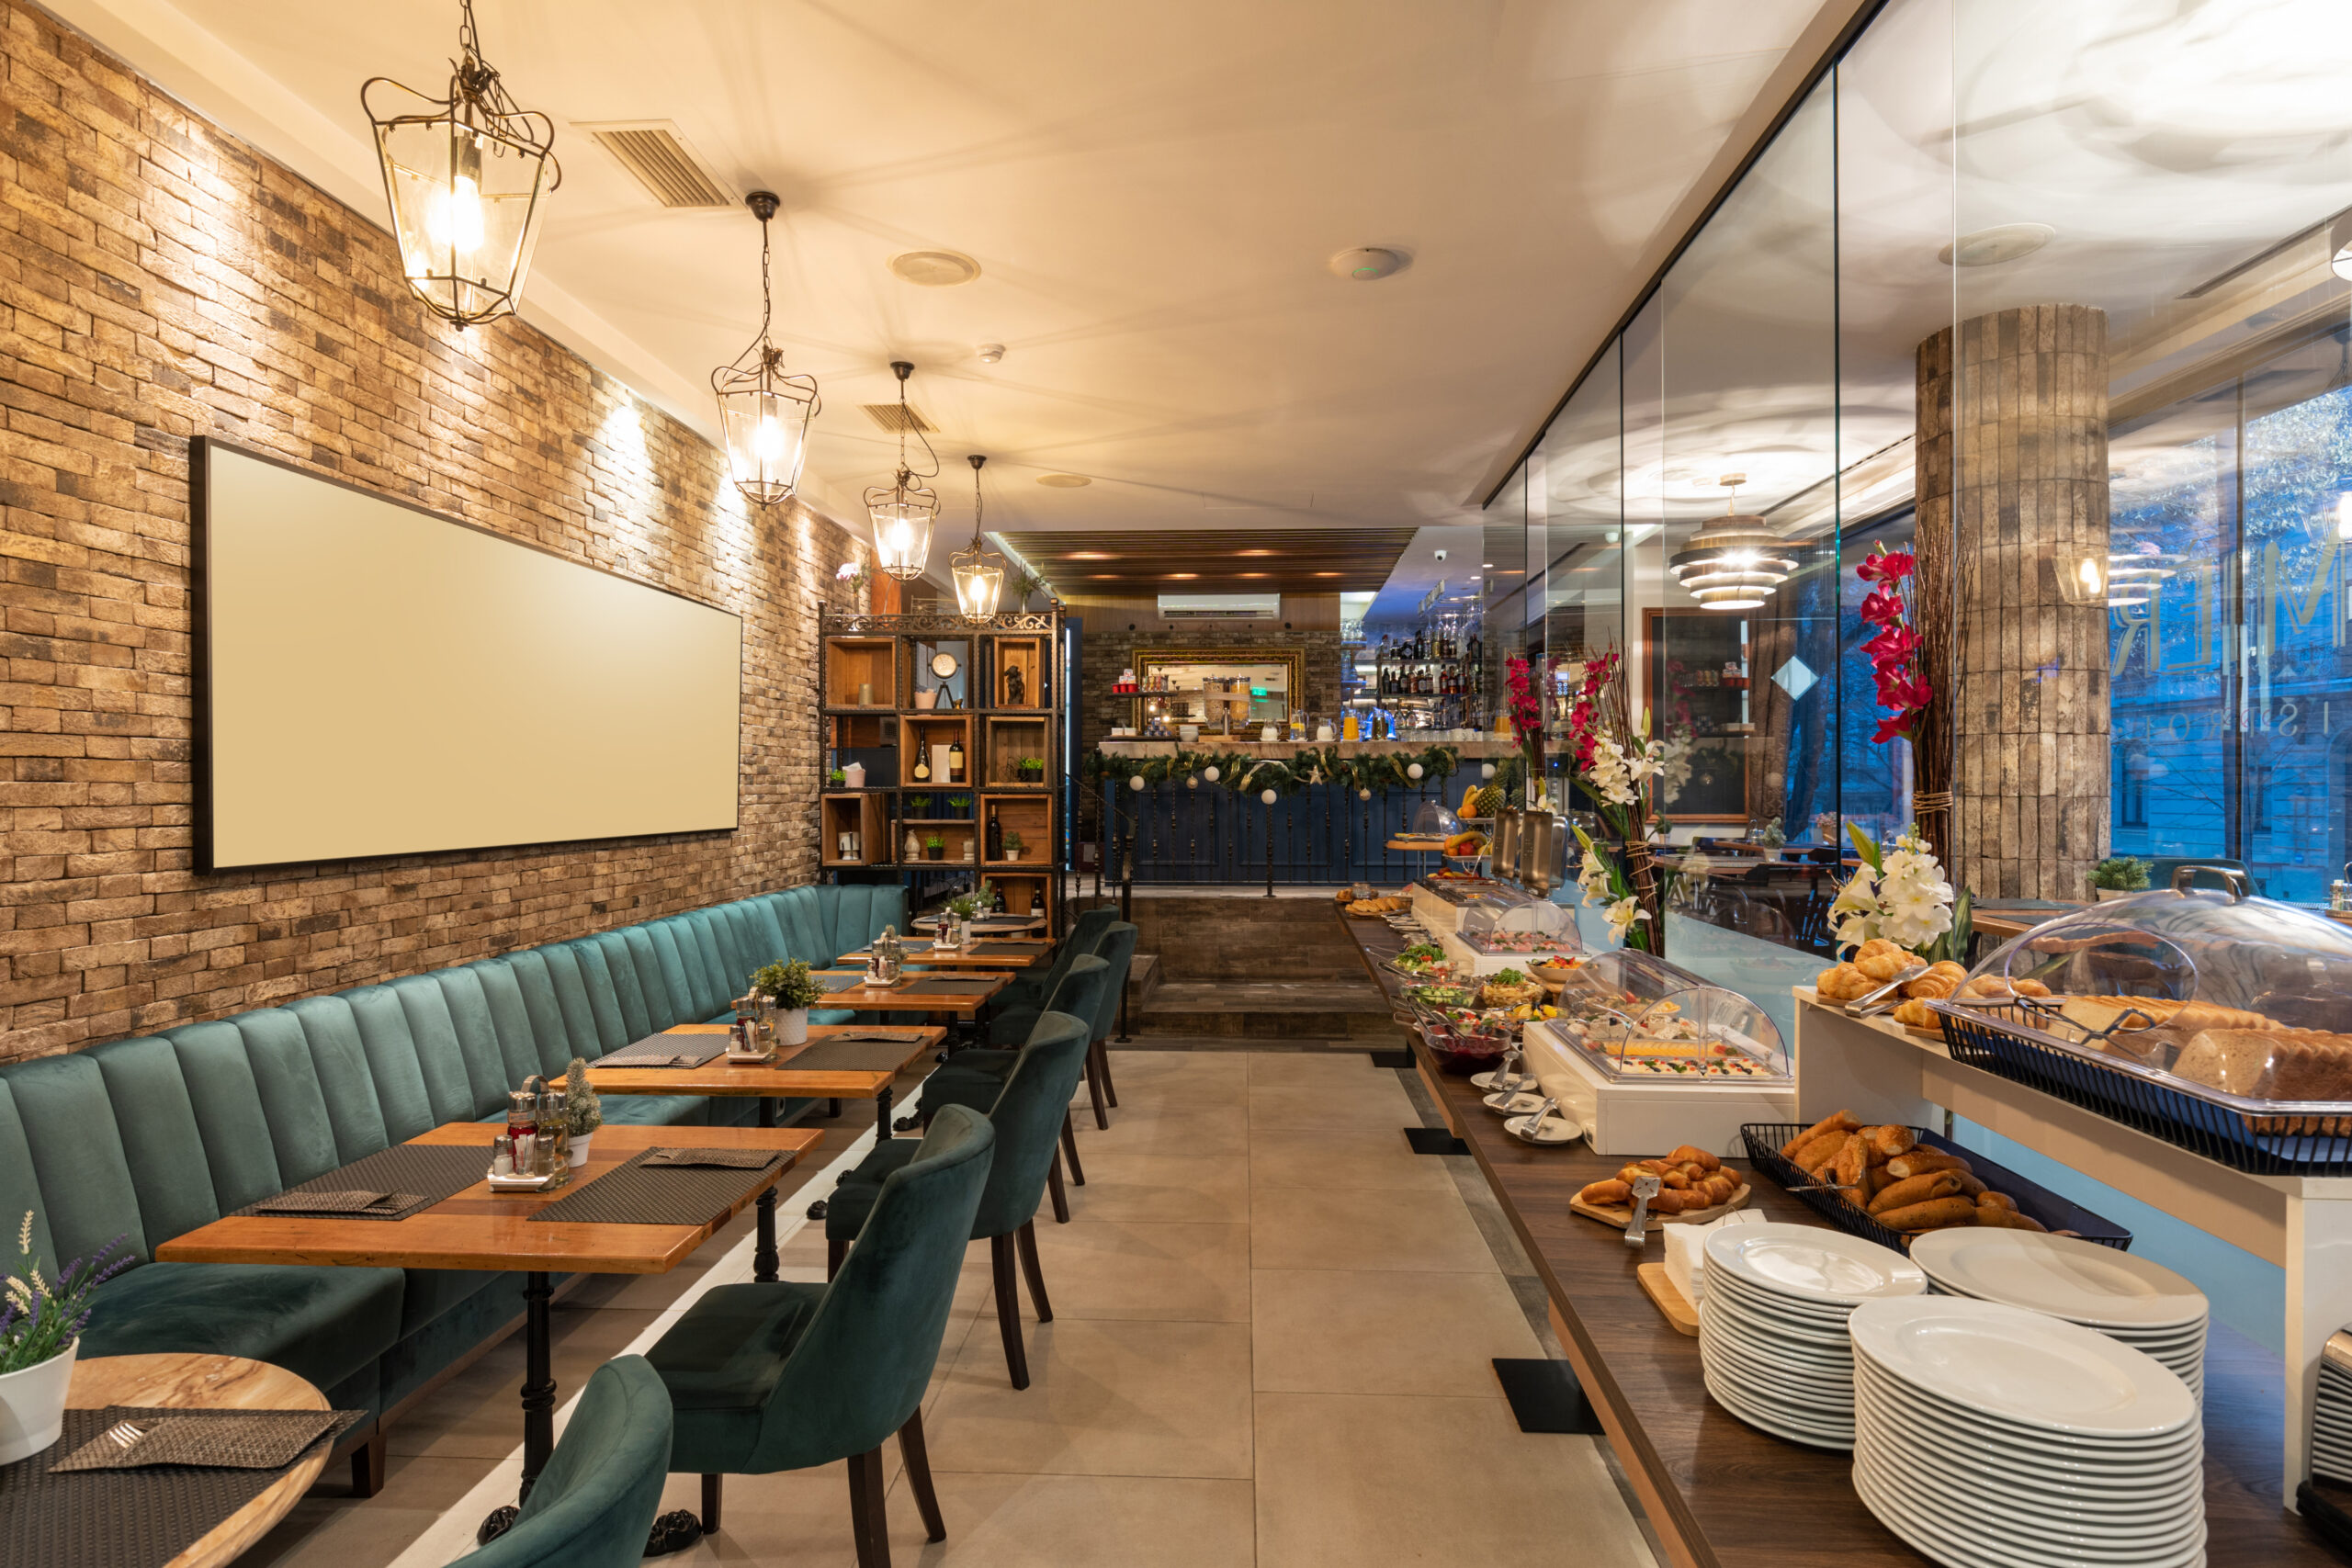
(1016, 689)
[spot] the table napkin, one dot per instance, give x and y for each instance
(1686, 1251)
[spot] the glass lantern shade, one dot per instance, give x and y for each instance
(979, 582)
(764, 421)
(2080, 579)
(1736, 562)
(902, 530)
(466, 201)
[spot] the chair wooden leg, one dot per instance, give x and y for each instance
(1054, 1189)
(1025, 1243)
(869, 1522)
(367, 1466)
(1094, 1092)
(1007, 1309)
(836, 1250)
(918, 1461)
(711, 1485)
(1070, 1151)
(1103, 1065)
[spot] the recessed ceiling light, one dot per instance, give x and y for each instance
(1253, 574)
(1092, 554)
(1486, 563)
(1106, 576)
(1184, 576)
(1253, 552)
(1368, 263)
(1991, 247)
(1064, 481)
(935, 269)
(1326, 574)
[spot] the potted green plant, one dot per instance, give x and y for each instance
(835, 778)
(961, 804)
(934, 848)
(1030, 770)
(40, 1331)
(2119, 877)
(793, 990)
(918, 807)
(583, 1112)
(964, 907)
(1013, 844)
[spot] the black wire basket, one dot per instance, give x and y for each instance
(2035, 1201)
(2268, 1137)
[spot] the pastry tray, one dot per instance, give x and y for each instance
(2265, 1136)
(1764, 1140)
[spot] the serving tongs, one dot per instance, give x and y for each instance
(1884, 999)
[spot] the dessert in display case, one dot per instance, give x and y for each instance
(2213, 1020)
(1649, 1056)
(1510, 932)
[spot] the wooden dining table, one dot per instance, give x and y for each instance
(1009, 954)
(909, 995)
(778, 1079)
(478, 1228)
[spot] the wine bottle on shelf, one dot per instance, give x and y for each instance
(956, 762)
(923, 764)
(995, 837)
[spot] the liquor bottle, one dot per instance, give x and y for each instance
(956, 762)
(996, 838)
(923, 764)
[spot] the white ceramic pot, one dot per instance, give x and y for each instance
(580, 1142)
(792, 1027)
(2102, 895)
(32, 1406)
(854, 775)
(927, 699)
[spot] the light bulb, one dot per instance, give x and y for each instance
(2087, 568)
(767, 442)
(453, 219)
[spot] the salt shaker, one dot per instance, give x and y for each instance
(501, 1156)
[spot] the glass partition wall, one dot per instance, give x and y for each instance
(2099, 236)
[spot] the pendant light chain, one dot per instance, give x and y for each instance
(765, 414)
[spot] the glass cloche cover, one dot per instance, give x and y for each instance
(2222, 995)
(1433, 820)
(1641, 1018)
(1527, 925)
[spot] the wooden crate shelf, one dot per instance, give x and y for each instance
(1031, 817)
(919, 733)
(1026, 656)
(1018, 888)
(862, 672)
(863, 812)
(1011, 739)
(956, 838)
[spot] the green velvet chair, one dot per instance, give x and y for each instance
(1027, 1115)
(1118, 951)
(784, 1376)
(976, 1076)
(593, 1505)
(1034, 993)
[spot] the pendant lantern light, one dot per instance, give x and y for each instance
(466, 174)
(979, 571)
(1735, 561)
(763, 414)
(904, 510)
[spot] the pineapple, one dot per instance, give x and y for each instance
(1487, 800)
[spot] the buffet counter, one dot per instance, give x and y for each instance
(1717, 1491)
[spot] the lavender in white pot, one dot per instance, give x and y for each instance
(41, 1328)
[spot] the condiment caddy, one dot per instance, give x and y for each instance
(534, 1153)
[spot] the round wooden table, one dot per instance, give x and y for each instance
(208, 1382)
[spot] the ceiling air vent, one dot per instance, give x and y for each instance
(653, 151)
(896, 417)
(1220, 606)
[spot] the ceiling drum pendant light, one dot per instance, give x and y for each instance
(979, 571)
(1735, 561)
(763, 414)
(904, 510)
(466, 174)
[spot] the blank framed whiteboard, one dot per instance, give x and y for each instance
(374, 679)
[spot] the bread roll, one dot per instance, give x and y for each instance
(1823, 1149)
(1919, 1162)
(1606, 1194)
(1916, 1189)
(1852, 1159)
(1838, 1122)
(1893, 1139)
(1687, 1154)
(1936, 1213)
(1998, 1199)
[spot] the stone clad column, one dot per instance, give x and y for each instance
(2012, 476)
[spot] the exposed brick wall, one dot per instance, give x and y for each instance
(159, 280)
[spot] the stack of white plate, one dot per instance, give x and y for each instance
(1772, 1340)
(1990, 1437)
(2130, 1300)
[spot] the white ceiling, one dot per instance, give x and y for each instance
(1152, 192)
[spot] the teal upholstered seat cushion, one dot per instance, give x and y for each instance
(86, 1195)
(321, 1324)
(593, 1505)
(956, 1084)
(852, 1199)
(734, 1341)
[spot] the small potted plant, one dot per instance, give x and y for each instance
(2119, 877)
(40, 1330)
(1030, 770)
(961, 804)
(1013, 845)
(583, 1112)
(918, 807)
(836, 778)
(934, 848)
(793, 990)
(964, 906)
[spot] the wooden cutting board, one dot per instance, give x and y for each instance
(1672, 1303)
(1623, 1216)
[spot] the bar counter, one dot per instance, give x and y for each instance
(1719, 1493)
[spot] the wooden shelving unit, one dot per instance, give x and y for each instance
(885, 659)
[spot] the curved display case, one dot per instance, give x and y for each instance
(2217, 1021)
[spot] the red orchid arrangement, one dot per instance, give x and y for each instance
(1585, 716)
(1894, 650)
(1525, 709)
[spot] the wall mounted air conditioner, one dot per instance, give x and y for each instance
(1220, 606)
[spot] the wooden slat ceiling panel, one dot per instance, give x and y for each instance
(1286, 560)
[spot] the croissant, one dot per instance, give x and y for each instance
(1914, 1014)
(1940, 980)
(1883, 967)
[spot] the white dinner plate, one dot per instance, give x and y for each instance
(1813, 1265)
(1488, 1080)
(2061, 1276)
(2104, 1494)
(1958, 1545)
(1770, 1357)
(2031, 1537)
(1766, 1420)
(1822, 1316)
(1523, 1103)
(1871, 1384)
(1761, 1313)
(1834, 1401)
(2017, 1366)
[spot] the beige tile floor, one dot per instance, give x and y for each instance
(1271, 1335)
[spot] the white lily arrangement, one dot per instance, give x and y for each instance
(1604, 885)
(1615, 774)
(1899, 893)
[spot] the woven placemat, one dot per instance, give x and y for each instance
(906, 944)
(909, 1036)
(122, 1519)
(665, 1051)
(833, 983)
(423, 1174)
(236, 1439)
(950, 987)
(729, 1159)
(1008, 949)
(344, 1205)
(634, 1194)
(851, 1057)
